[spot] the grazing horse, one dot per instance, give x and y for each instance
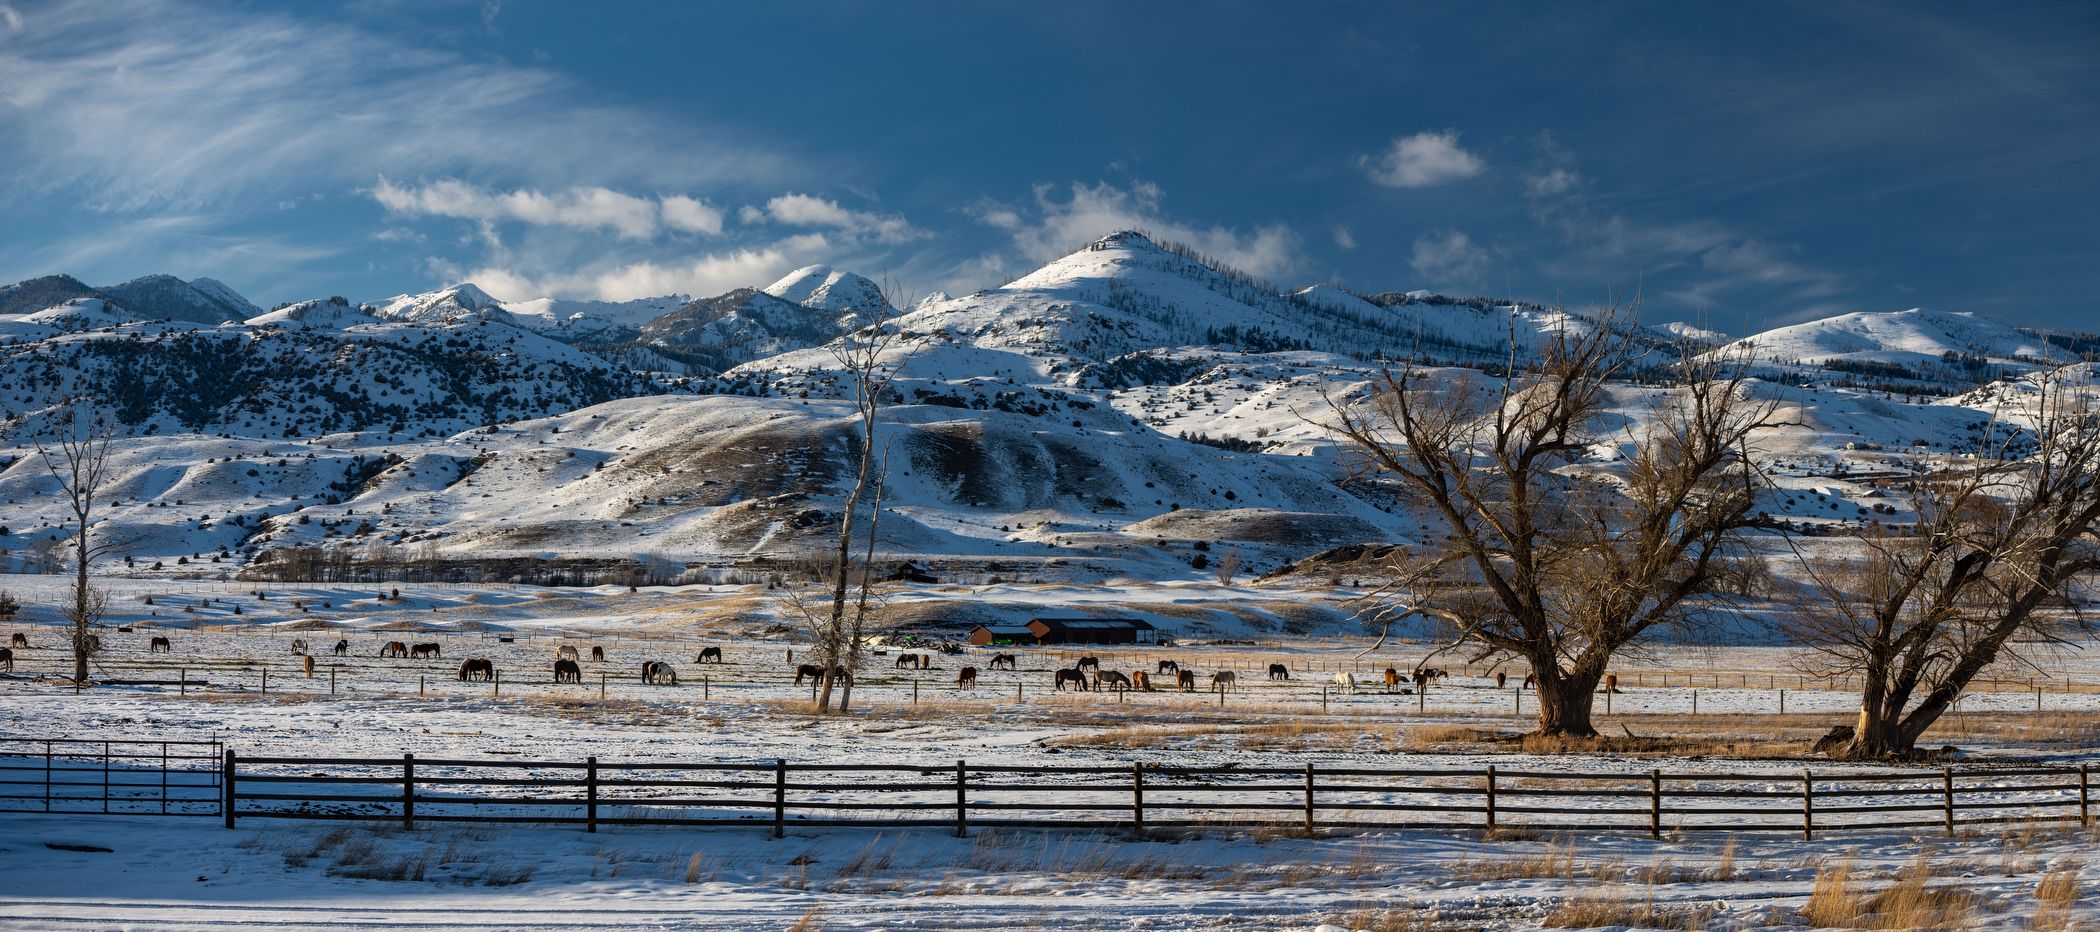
(298, 645)
(1169, 666)
(816, 672)
(393, 649)
(1611, 682)
(7, 656)
(1278, 671)
(709, 655)
(966, 677)
(1501, 679)
(430, 649)
(159, 645)
(597, 654)
(1392, 680)
(1422, 678)
(567, 671)
(1005, 662)
(19, 640)
(342, 647)
(909, 660)
(1530, 680)
(1072, 676)
(476, 668)
(1186, 679)
(1141, 681)
(658, 673)
(1110, 679)
(1224, 680)
(309, 664)
(567, 652)
(1345, 682)
(1085, 662)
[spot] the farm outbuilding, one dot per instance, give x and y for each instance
(1092, 631)
(1011, 634)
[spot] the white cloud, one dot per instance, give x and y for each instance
(803, 210)
(1449, 257)
(1093, 211)
(151, 104)
(11, 18)
(584, 208)
(1551, 182)
(1344, 238)
(699, 275)
(1421, 160)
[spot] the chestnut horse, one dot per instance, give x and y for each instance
(309, 664)
(1141, 681)
(1392, 679)
(1186, 679)
(475, 668)
(966, 677)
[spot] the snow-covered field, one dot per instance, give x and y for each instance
(191, 873)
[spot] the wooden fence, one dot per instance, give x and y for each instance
(110, 776)
(777, 795)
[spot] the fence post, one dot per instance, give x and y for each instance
(1782, 702)
(185, 682)
(962, 825)
(1808, 808)
(1309, 831)
(780, 794)
(2084, 799)
(590, 793)
(105, 777)
(331, 679)
(227, 803)
(1491, 798)
(408, 791)
(601, 684)
(1947, 796)
(266, 681)
(1655, 803)
(1137, 797)
(164, 778)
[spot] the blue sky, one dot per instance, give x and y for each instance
(1744, 164)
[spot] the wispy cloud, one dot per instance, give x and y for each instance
(147, 104)
(1449, 257)
(1343, 238)
(803, 210)
(582, 208)
(1421, 160)
(1054, 227)
(708, 274)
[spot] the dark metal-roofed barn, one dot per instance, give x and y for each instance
(1092, 631)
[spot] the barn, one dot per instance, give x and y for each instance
(1092, 631)
(983, 635)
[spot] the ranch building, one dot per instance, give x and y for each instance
(983, 635)
(1092, 631)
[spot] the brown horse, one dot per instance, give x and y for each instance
(1224, 680)
(658, 673)
(431, 649)
(909, 660)
(1141, 681)
(309, 664)
(709, 655)
(342, 647)
(393, 649)
(816, 672)
(1501, 679)
(1110, 679)
(1278, 671)
(18, 639)
(1530, 680)
(1005, 662)
(1392, 679)
(159, 645)
(476, 668)
(1611, 682)
(7, 656)
(1072, 676)
(1169, 666)
(1085, 662)
(1186, 679)
(567, 671)
(597, 654)
(966, 678)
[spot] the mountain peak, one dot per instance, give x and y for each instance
(462, 300)
(824, 288)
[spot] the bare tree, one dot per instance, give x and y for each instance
(1548, 553)
(80, 464)
(1228, 566)
(1984, 573)
(868, 360)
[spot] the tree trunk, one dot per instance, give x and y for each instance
(80, 610)
(1565, 701)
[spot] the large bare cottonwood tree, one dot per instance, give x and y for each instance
(79, 460)
(1559, 533)
(1986, 571)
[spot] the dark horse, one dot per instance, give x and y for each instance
(709, 655)
(476, 668)
(430, 649)
(566, 671)
(1073, 676)
(1169, 666)
(393, 649)
(1005, 662)
(342, 647)
(966, 677)
(1278, 671)
(816, 672)
(1085, 662)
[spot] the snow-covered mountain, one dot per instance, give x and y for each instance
(1107, 413)
(204, 301)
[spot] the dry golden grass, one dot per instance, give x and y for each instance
(1558, 860)
(1838, 901)
(1614, 905)
(1392, 919)
(2055, 896)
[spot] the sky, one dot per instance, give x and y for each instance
(1740, 165)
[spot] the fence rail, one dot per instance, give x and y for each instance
(780, 794)
(111, 776)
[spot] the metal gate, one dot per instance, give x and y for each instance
(90, 776)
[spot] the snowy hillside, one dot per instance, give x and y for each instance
(1932, 346)
(824, 288)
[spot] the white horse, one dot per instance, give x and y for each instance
(1345, 682)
